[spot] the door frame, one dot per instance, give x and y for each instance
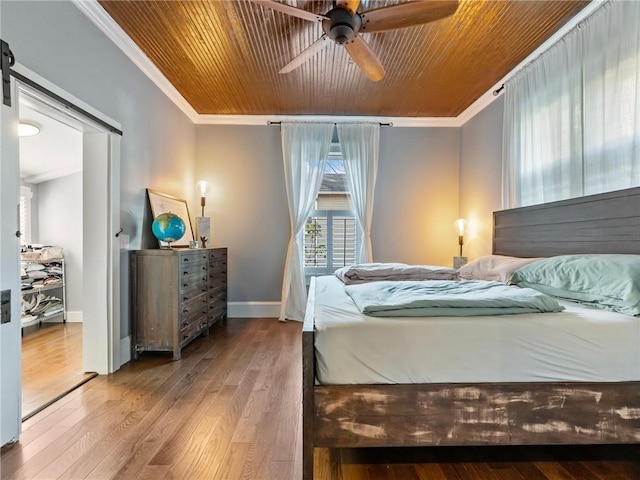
(101, 219)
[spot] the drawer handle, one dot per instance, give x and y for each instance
(185, 285)
(185, 310)
(186, 260)
(185, 324)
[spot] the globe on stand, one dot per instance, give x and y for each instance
(168, 227)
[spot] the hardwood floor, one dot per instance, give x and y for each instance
(231, 409)
(51, 363)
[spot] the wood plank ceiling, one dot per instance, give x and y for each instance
(224, 56)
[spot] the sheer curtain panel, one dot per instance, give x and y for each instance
(305, 148)
(360, 144)
(542, 155)
(611, 45)
(572, 117)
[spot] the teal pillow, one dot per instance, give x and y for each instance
(609, 281)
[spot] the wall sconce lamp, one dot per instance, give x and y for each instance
(203, 224)
(460, 226)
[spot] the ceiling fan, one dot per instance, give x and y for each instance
(343, 24)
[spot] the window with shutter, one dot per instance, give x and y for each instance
(331, 232)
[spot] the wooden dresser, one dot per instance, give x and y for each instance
(176, 295)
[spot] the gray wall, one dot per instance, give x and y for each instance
(57, 41)
(247, 205)
(416, 200)
(480, 176)
(59, 209)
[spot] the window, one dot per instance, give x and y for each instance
(331, 233)
(25, 215)
(572, 117)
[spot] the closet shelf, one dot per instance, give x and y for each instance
(34, 312)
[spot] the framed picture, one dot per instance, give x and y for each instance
(163, 203)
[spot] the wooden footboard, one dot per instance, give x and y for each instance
(476, 414)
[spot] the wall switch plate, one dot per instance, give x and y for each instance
(5, 306)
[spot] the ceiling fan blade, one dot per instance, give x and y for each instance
(289, 10)
(407, 14)
(363, 56)
(350, 5)
(306, 54)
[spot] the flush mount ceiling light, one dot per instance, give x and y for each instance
(26, 129)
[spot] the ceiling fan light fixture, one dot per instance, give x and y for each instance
(341, 26)
(28, 129)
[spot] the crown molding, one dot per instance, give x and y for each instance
(113, 31)
(268, 119)
(93, 10)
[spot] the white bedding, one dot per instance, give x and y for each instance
(579, 344)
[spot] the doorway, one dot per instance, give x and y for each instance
(94, 302)
(51, 223)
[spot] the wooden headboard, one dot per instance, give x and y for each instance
(603, 223)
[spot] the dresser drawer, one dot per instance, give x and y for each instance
(188, 293)
(190, 269)
(193, 304)
(191, 258)
(194, 280)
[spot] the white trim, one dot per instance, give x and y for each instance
(125, 350)
(72, 317)
(264, 119)
(93, 10)
(253, 309)
(102, 20)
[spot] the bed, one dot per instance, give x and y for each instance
(493, 410)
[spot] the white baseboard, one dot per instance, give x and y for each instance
(72, 317)
(125, 350)
(253, 309)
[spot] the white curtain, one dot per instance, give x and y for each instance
(360, 143)
(305, 148)
(572, 117)
(611, 44)
(541, 152)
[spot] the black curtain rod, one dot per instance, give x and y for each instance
(498, 90)
(269, 122)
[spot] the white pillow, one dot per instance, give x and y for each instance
(497, 268)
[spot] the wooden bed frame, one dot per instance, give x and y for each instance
(545, 413)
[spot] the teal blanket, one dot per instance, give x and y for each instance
(437, 298)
